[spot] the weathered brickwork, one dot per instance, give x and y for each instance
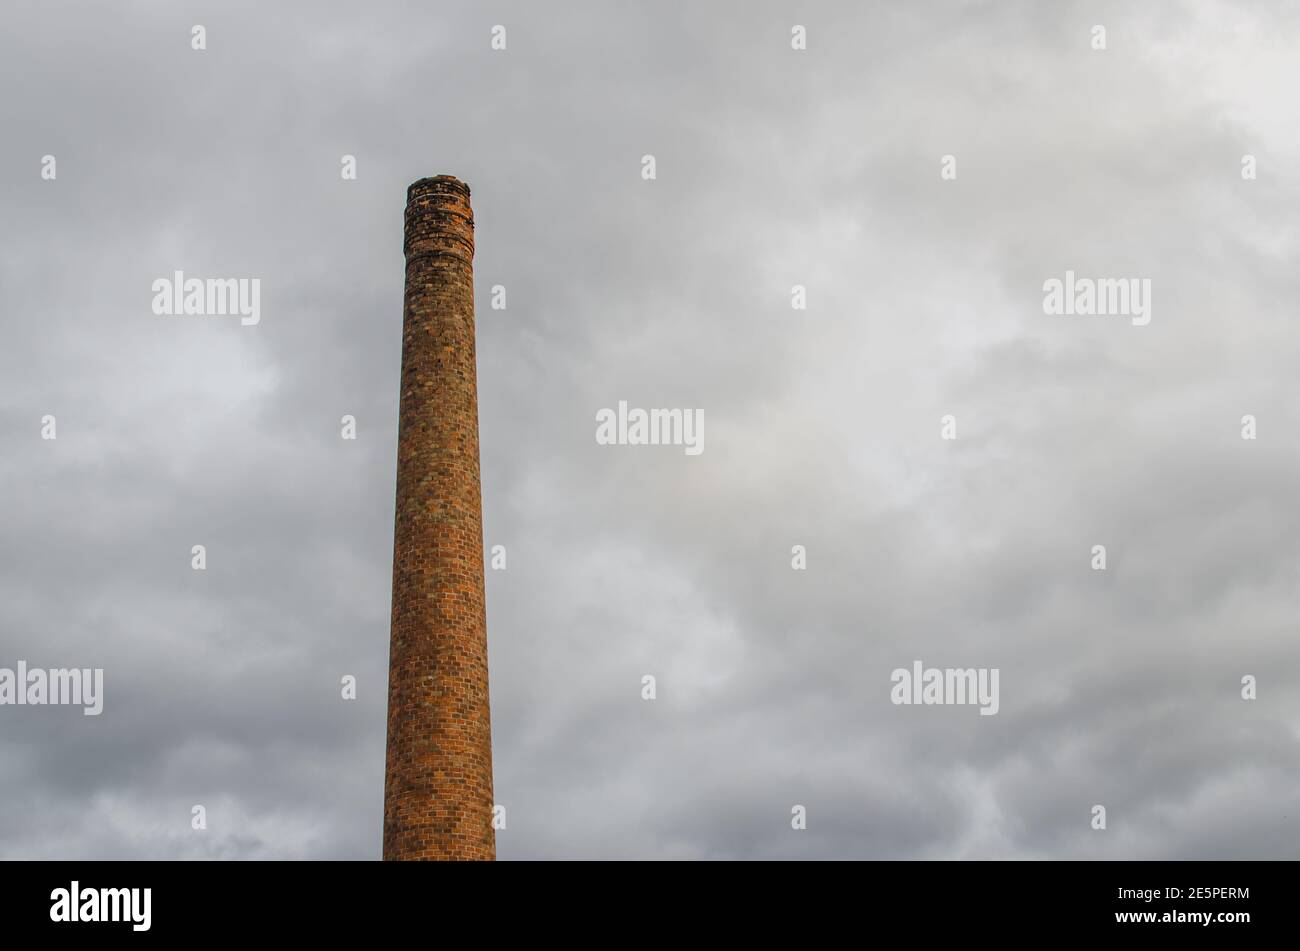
(438, 777)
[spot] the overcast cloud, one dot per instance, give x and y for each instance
(775, 167)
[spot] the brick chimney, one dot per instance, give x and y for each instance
(438, 775)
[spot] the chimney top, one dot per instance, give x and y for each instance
(439, 219)
(436, 183)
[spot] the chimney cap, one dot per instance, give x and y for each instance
(437, 183)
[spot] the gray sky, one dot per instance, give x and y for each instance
(775, 168)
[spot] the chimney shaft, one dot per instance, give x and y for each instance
(438, 775)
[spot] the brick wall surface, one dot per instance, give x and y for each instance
(438, 775)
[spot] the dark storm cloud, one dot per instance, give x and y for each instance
(775, 168)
